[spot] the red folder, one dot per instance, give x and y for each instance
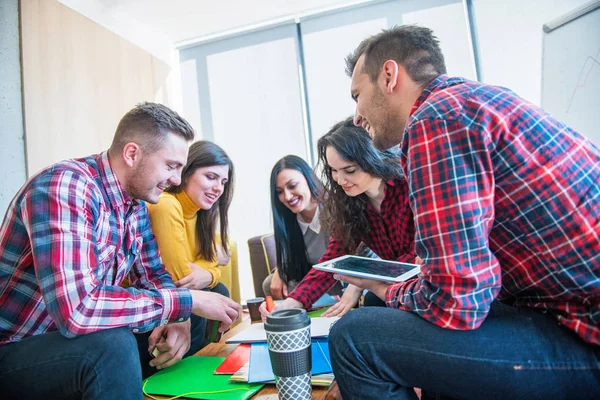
(235, 361)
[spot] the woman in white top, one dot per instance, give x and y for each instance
(299, 240)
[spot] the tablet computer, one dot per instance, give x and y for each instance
(371, 268)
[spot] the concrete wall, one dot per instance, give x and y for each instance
(12, 143)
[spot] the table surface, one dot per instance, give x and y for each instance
(268, 392)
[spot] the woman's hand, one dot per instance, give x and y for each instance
(348, 300)
(278, 287)
(222, 257)
(287, 303)
(198, 279)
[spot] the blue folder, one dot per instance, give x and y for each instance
(260, 364)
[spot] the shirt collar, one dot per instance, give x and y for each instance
(118, 197)
(441, 82)
(314, 225)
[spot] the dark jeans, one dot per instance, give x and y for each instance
(198, 330)
(100, 365)
(517, 353)
(371, 300)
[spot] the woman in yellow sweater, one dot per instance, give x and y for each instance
(185, 218)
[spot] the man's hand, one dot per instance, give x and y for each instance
(222, 257)
(377, 287)
(171, 342)
(348, 300)
(278, 287)
(287, 303)
(215, 306)
(198, 279)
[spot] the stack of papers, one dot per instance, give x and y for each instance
(260, 369)
(319, 328)
(316, 380)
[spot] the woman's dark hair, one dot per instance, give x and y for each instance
(292, 259)
(207, 154)
(342, 215)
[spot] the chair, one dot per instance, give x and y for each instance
(263, 259)
(230, 273)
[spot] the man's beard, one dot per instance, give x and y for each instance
(137, 186)
(388, 130)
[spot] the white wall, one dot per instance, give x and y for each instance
(12, 150)
(510, 41)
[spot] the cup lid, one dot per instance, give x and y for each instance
(287, 320)
(255, 300)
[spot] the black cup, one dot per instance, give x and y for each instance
(288, 337)
(253, 308)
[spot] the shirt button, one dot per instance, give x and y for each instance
(180, 319)
(136, 330)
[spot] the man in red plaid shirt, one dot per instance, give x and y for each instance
(506, 204)
(70, 236)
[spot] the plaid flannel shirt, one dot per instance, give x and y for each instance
(70, 236)
(390, 236)
(506, 201)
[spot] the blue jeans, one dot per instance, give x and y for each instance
(517, 353)
(100, 365)
(108, 364)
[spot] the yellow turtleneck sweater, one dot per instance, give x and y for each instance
(173, 221)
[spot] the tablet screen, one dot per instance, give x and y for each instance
(373, 266)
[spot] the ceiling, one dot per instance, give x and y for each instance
(156, 25)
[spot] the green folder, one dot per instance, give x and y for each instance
(193, 377)
(318, 312)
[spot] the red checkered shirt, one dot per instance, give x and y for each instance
(391, 235)
(506, 201)
(68, 239)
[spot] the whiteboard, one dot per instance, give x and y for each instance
(571, 69)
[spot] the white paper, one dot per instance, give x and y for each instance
(319, 327)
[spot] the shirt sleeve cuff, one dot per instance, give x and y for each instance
(177, 305)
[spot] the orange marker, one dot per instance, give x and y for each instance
(270, 304)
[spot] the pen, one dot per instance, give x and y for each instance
(270, 304)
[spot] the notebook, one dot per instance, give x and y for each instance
(315, 380)
(255, 333)
(260, 369)
(193, 377)
(235, 361)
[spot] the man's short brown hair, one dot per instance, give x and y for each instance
(414, 47)
(147, 124)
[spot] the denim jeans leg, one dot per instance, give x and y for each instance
(517, 353)
(100, 365)
(221, 289)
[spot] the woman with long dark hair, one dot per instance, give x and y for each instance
(366, 201)
(299, 240)
(185, 218)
